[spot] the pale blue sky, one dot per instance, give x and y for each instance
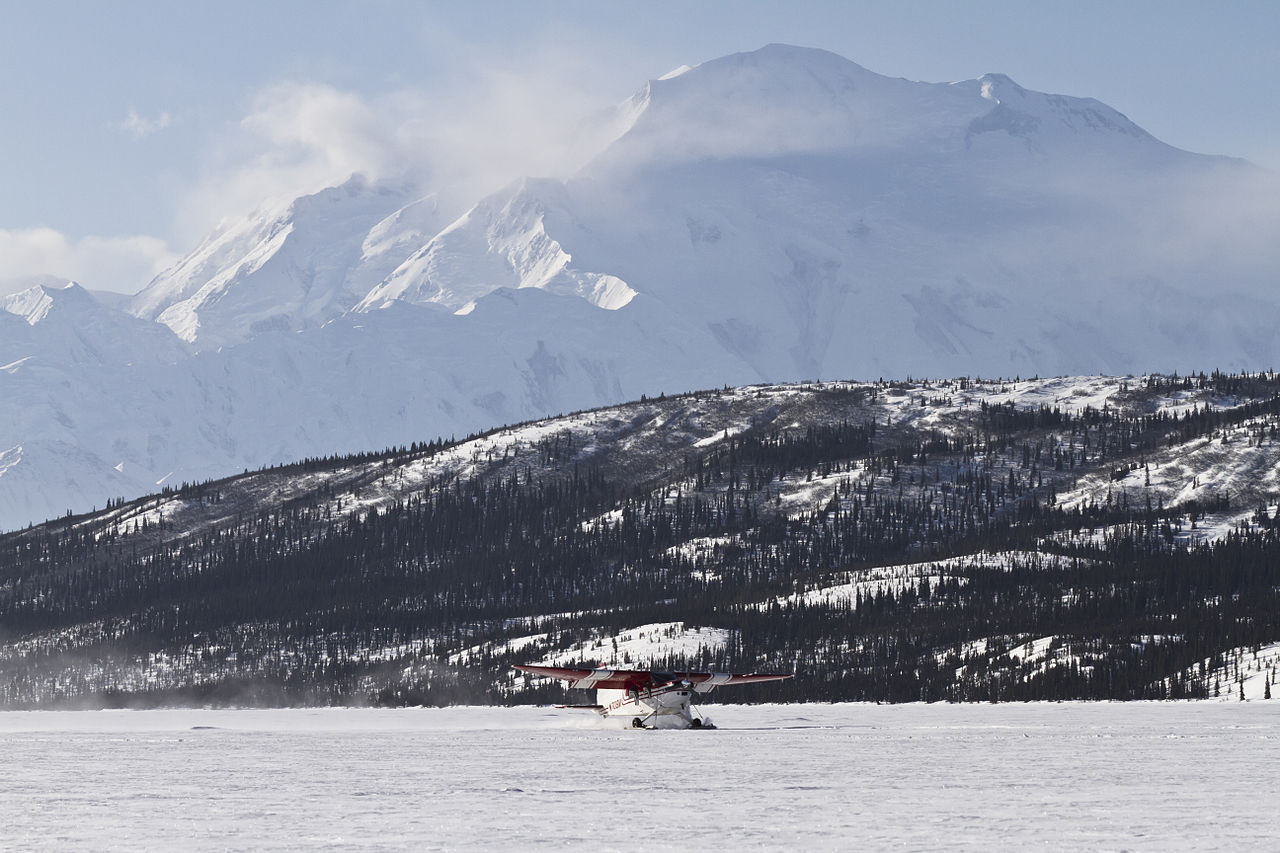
(129, 127)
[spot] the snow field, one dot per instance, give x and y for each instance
(1073, 776)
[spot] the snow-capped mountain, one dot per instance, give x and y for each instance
(776, 215)
(79, 431)
(504, 241)
(289, 267)
(79, 384)
(72, 327)
(818, 219)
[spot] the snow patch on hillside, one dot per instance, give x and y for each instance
(10, 458)
(14, 366)
(1237, 463)
(720, 436)
(32, 305)
(466, 656)
(639, 647)
(1241, 673)
(844, 589)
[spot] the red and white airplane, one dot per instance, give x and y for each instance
(647, 696)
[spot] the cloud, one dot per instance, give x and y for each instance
(1224, 223)
(142, 127)
(122, 264)
(1214, 223)
(461, 141)
(1182, 233)
(316, 127)
(298, 138)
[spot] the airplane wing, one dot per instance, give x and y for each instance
(625, 679)
(705, 682)
(594, 679)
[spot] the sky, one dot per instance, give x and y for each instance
(130, 129)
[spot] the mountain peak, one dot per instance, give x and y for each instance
(1026, 113)
(35, 303)
(998, 87)
(788, 100)
(772, 68)
(288, 267)
(777, 54)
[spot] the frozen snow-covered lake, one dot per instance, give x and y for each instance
(1141, 776)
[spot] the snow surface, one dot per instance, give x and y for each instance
(1131, 776)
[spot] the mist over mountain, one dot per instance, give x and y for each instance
(777, 215)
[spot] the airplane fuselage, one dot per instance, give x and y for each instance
(671, 702)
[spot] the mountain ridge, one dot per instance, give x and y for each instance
(960, 540)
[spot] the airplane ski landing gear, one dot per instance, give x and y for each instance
(697, 721)
(650, 722)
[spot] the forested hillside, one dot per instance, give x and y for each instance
(893, 541)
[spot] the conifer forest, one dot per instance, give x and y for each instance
(892, 541)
